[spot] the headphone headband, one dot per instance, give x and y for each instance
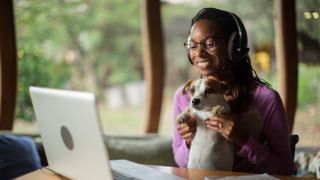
(238, 48)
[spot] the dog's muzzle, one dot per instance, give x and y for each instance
(195, 101)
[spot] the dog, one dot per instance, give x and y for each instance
(209, 150)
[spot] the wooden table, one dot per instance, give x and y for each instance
(193, 174)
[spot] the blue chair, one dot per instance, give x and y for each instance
(18, 156)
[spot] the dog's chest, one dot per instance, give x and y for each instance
(202, 115)
(209, 150)
(204, 137)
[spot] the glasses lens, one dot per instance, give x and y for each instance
(206, 44)
(189, 45)
(209, 43)
(192, 45)
(186, 45)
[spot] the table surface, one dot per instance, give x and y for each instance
(193, 174)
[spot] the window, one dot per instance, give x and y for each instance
(176, 16)
(82, 45)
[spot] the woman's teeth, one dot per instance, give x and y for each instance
(203, 64)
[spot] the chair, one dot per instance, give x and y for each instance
(294, 139)
(18, 155)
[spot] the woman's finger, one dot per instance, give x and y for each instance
(214, 122)
(188, 135)
(221, 127)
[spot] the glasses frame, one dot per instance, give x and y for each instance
(202, 43)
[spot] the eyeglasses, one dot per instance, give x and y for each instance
(207, 44)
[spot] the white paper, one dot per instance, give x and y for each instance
(245, 177)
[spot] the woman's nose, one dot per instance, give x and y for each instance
(199, 51)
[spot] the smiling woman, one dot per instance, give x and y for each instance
(263, 148)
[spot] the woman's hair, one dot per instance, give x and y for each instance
(222, 19)
(242, 69)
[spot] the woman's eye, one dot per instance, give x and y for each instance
(209, 44)
(192, 45)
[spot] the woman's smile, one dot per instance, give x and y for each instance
(204, 64)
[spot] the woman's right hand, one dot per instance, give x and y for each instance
(187, 130)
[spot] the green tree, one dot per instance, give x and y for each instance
(103, 36)
(35, 70)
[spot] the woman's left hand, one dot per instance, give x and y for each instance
(228, 125)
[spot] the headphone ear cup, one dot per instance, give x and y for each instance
(232, 45)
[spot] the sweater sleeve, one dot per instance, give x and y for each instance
(179, 146)
(275, 157)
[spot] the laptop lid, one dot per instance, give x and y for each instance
(71, 133)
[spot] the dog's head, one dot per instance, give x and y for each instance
(205, 93)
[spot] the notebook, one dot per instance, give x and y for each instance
(73, 140)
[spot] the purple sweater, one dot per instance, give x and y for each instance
(270, 155)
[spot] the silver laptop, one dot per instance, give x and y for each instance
(73, 140)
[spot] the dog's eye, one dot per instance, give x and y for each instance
(191, 90)
(208, 91)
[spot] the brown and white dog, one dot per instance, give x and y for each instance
(209, 149)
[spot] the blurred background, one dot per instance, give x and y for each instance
(96, 46)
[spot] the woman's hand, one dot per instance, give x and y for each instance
(187, 129)
(228, 125)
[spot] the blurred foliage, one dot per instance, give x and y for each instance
(309, 26)
(103, 36)
(85, 45)
(35, 70)
(308, 86)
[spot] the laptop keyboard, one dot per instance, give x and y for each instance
(120, 176)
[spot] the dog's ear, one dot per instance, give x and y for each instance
(214, 85)
(218, 86)
(187, 87)
(224, 87)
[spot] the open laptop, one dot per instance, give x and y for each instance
(73, 140)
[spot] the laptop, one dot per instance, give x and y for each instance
(73, 139)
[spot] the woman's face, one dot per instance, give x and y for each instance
(208, 48)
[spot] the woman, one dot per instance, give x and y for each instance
(217, 47)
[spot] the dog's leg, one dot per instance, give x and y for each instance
(184, 117)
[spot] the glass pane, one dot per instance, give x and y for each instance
(176, 16)
(307, 119)
(82, 45)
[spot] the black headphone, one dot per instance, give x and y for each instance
(238, 42)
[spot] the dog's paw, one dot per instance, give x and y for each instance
(218, 109)
(182, 118)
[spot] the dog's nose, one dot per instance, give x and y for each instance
(195, 101)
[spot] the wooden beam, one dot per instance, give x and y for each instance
(287, 56)
(8, 68)
(153, 62)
